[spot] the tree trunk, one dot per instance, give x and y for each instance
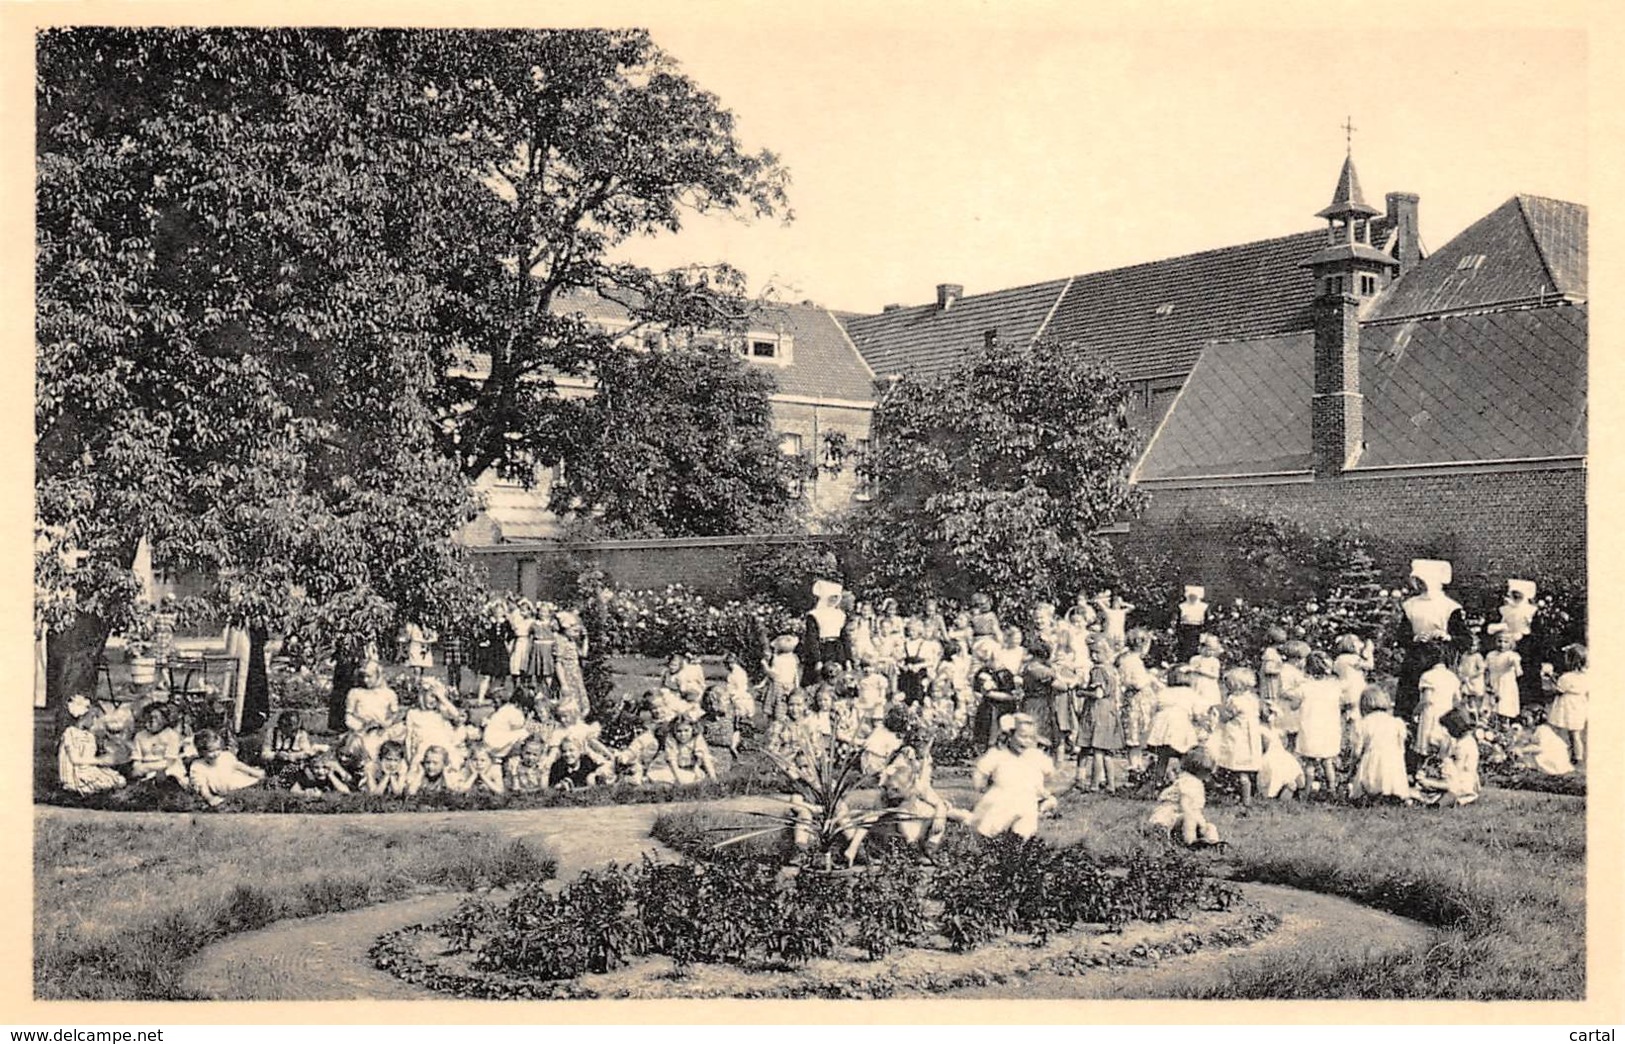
(70, 658)
(257, 691)
(346, 676)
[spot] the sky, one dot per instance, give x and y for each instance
(999, 146)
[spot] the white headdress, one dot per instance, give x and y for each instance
(824, 591)
(1195, 589)
(78, 705)
(1523, 587)
(1431, 571)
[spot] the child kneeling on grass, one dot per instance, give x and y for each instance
(1457, 780)
(217, 772)
(1181, 806)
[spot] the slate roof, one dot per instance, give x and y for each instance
(516, 512)
(1497, 385)
(925, 340)
(1527, 250)
(1347, 197)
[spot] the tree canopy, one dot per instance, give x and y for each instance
(296, 287)
(996, 477)
(676, 442)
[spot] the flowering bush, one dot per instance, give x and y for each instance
(676, 620)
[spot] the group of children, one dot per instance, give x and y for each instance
(1078, 685)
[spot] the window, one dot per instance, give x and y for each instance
(1164, 310)
(763, 350)
(1368, 285)
(1470, 263)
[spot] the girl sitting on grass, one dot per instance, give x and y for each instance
(80, 769)
(685, 758)
(290, 747)
(1379, 743)
(1279, 773)
(572, 769)
(1014, 781)
(1181, 806)
(1457, 780)
(158, 751)
(216, 771)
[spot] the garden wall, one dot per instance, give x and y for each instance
(709, 566)
(1491, 525)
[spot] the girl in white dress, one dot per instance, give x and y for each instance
(1570, 712)
(1320, 720)
(79, 768)
(1173, 727)
(435, 722)
(1440, 690)
(519, 618)
(1014, 780)
(1239, 741)
(1379, 743)
(418, 640)
(1278, 770)
(1502, 668)
(1470, 669)
(1205, 670)
(216, 772)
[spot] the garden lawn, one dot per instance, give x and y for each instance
(120, 902)
(1501, 881)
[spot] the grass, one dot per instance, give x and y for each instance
(1502, 882)
(120, 906)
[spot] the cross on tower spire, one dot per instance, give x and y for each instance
(1348, 134)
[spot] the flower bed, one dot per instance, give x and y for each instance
(754, 913)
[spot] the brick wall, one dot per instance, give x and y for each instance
(707, 565)
(1491, 526)
(828, 494)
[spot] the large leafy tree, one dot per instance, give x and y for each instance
(232, 345)
(996, 477)
(296, 287)
(677, 442)
(579, 141)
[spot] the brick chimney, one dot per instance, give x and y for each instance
(1337, 418)
(947, 294)
(1402, 216)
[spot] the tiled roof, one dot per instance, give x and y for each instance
(1496, 385)
(1152, 320)
(1528, 249)
(926, 340)
(824, 364)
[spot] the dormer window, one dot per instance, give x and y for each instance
(1164, 311)
(766, 346)
(1470, 263)
(1368, 285)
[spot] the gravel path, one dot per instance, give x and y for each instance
(325, 957)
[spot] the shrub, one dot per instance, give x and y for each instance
(589, 927)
